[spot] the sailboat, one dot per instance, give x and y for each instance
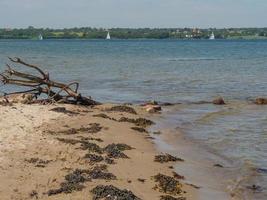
(40, 37)
(108, 36)
(212, 36)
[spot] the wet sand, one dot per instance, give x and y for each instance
(39, 147)
(217, 176)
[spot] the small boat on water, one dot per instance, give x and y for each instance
(40, 37)
(212, 36)
(108, 36)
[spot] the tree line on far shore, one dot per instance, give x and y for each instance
(130, 33)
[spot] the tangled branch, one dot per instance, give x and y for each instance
(42, 84)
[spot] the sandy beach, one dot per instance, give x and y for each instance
(64, 152)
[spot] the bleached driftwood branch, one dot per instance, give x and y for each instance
(42, 84)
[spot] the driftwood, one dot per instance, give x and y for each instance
(41, 86)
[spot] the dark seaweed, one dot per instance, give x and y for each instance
(34, 194)
(138, 122)
(167, 184)
(69, 141)
(123, 108)
(178, 176)
(38, 162)
(166, 158)
(109, 192)
(218, 165)
(115, 150)
(109, 161)
(141, 180)
(102, 115)
(94, 128)
(100, 172)
(139, 129)
(63, 110)
(91, 147)
(93, 158)
(168, 197)
(74, 181)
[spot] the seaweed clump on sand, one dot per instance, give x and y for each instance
(68, 141)
(91, 147)
(168, 197)
(38, 162)
(111, 192)
(63, 110)
(138, 122)
(73, 182)
(100, 172)
(93, 158)
(166, 158)
(33, 194)
(167, 184)
(90, 138)
(123, 108)
(109, 161)
(102, 115)
(178, 176)
(94, 128)
(115, 150)
(139, 129)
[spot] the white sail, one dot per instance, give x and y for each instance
(40, 37)
(212, 36)
(108, 36)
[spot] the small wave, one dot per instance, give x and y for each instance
(213, 115)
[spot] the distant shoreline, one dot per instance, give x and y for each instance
(133, 33)
(134, 39)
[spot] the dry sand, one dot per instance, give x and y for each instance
(31, 131)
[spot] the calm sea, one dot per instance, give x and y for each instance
(172, 71)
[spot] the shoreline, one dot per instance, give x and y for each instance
(217, 175)
(40, 146)
(199, 168)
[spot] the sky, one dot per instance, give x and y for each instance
(133, 13)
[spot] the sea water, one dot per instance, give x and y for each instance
(184, 71)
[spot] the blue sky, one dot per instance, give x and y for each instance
(133, 13)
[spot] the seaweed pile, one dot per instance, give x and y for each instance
(168, 197)
(91, 147)
(178, 176)
(38, 162)
(122, 108)
(166, 158)
(115, 150)
(100, 172)
(139, 129)
(93, 158)
(138, 122)
(110, 192)
(104, 116)
(93, 128)
(167, 184)
(64, 110)
(74, 181)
